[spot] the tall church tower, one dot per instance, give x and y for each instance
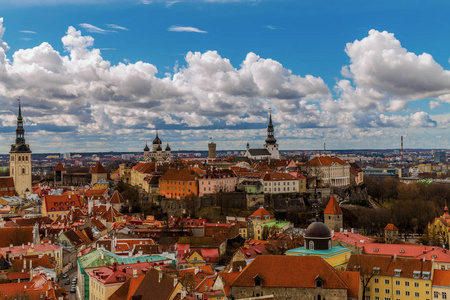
(20, 160)
(271, 143)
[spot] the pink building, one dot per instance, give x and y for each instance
(217, 180)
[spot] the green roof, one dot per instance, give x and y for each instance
(338, 249)
(278, 224)
(94, 259)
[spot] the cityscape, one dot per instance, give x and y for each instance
(224, 150)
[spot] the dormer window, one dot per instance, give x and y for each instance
(397, 272)
(319, 282)
(416, 274)
(426, 275)
(376, 270)
(258, 280)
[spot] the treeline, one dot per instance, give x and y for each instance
(409, 206)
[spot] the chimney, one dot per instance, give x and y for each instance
(23, 246)
(24, 263)
(31, 274)
(395, 256)
(175, 281)
(160, 275)
(135, 275)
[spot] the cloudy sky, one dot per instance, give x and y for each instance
(103, 75)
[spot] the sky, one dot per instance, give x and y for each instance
(98, 75)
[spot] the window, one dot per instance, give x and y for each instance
(406, 283)
(416, 294)
(377, 290)
(376, 280)
(311, 245)
(387, 291)
(436, 294)
(416, 284)
(406, 293)
(397, 292)
(397, 282)
(386, 281)
(444, 295)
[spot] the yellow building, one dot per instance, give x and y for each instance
(392, 277)
(55, 205)
(438, 229)
(441, 284)
(195, 259)
(257, 219)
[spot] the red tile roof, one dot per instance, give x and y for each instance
(59, 167)
(391, 227)
(261, 213)
(325, 161)
(388, 264)
(180, 175)
(15, 236)
(61, 202)
(277, 176)
(6, 182)
(116, 198)
(441, 278)
(289, 272)
(351, 278)
(98, 168)
(333, 207)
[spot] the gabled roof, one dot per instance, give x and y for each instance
(332, 207)
(59, 167)
(15, 236)
(98, 169)
(441, 278)
(351, 278)
(290, 272)
(179, 175)
(277, 176)
(259, 152)
(154, 288)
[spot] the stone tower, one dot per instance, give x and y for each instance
(333, 215)
(212, 150)
(20, 160)
(271, 143)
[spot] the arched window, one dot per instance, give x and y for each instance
(329, 244)
(23, 170)
(311, 245)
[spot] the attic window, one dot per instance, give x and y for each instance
(375, 250)
(397, 272)
(416, 274)
(402, 251)
(73, 203)
(376, 270)
(258, 280)
(426, 275)
(56, 203)
(319, 282)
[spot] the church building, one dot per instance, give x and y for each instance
(157, 154)
(270, 150)
(20, 160)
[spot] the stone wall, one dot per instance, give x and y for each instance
(288, 293)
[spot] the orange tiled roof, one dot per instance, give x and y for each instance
(116, 198)
(325, 161)
(441, 278)
(61, 202)
(261, 213)
(6, 182)
(16, 236)
(351, 278)
(391, 227)
(179, 175)
(332, 207)
(289, 272)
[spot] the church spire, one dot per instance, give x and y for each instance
(270, 132)
(20, 131)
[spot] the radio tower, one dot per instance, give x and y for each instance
(401, 151)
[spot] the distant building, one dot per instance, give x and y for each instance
(270, 150)
(20, 160)
(157, 153)
(329, 171)
(439, 156)
(333, 215)
(59, 172)
(212, 150)
(98, 173)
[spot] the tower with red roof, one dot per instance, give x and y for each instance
(333, 215)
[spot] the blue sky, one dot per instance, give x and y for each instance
(97, 76)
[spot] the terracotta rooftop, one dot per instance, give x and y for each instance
(59, 167)
(391, 227)
(325, 161)
(98, 168)
(333, 207)
(61, 202)
(260, 214)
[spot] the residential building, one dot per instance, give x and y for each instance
(280, 183)
(441, 285)
(256, 221)
(393, 277)
(178, 184)
(217, 180)
(55, 205)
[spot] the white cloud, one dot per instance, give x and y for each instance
(114, 26)
(186, 29)
(28, 31)
(435, 104)
(95, 29)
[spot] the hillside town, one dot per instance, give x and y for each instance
(256, 224)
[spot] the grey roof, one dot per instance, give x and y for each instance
(259, 152)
